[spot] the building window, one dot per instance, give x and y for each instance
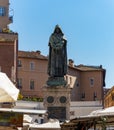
(91, 81)
(0, 68)
(70, 80)
(83, 96)
(19, 83)
(77, 83)
(32, 84)
(112, 97)
(32, 66)
(95, 96)
(19, 63)
(2, 11)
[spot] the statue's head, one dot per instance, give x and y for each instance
(58, 29)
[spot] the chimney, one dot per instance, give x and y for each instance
(71, 62)
(39, 52)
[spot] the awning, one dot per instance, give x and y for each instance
(8, 91)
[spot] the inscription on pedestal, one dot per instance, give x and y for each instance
(57, 102)
(57, 113)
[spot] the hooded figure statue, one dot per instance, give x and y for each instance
(57, 62)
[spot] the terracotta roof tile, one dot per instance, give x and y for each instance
(82, 67)
(88, 68)
(32, 54)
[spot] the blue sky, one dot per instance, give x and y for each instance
(87, 24)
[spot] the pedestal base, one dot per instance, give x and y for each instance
(56, 81)
(57, 101)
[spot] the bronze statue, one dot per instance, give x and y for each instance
(57, 62)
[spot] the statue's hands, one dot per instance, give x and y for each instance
(59, 46)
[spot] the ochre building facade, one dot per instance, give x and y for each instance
(8, 43)
(86, 82)
(109, 98)
(32, 73)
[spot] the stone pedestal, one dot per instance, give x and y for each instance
(57, 101)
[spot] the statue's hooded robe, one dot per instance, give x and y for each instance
(57, 62)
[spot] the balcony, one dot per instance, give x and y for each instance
(11, 19)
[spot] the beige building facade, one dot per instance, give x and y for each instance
(86, 82)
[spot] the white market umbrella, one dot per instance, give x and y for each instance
(103, 112)
(8, 91)
(107, 111)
